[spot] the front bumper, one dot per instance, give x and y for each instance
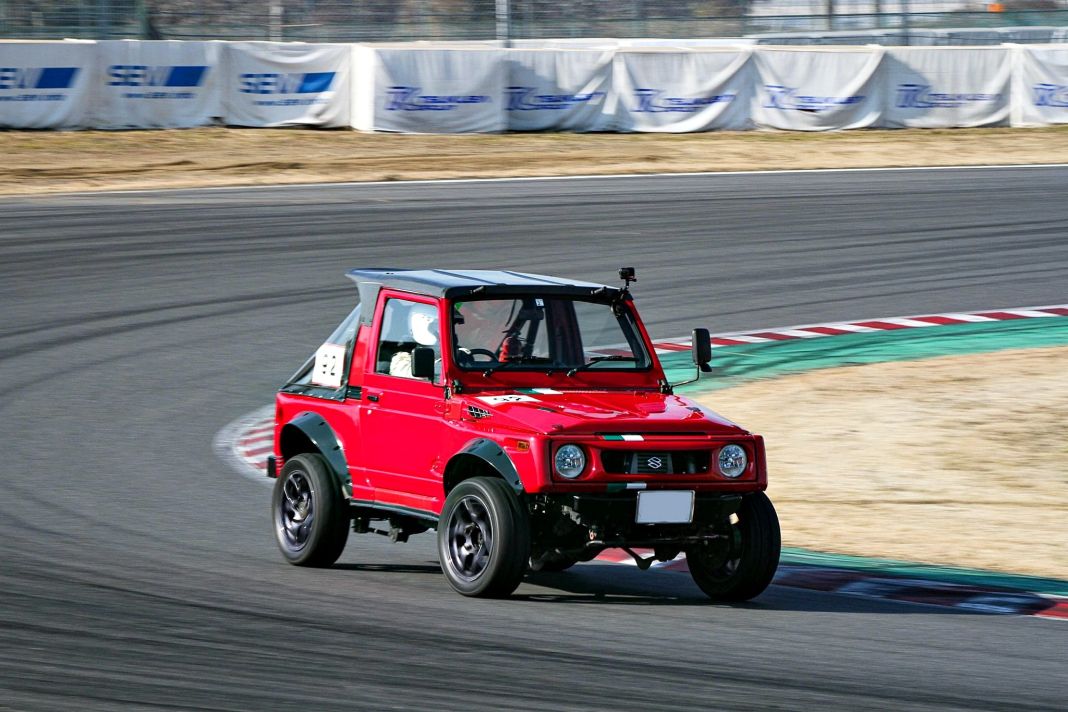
(620, 507)
(579, 526)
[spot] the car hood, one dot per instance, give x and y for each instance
(550, 411)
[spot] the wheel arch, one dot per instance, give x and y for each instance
(481, 458)
(310, 433)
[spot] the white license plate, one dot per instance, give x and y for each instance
(667, 507)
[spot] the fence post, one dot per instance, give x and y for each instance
(274, 32)
(504, 22)
(141, 18)
(102, 19)
(905, 21)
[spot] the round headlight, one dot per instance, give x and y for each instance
(732, 460)
(570, 461)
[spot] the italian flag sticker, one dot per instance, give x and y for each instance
(628, 438)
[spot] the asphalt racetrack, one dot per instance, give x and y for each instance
(138, 570)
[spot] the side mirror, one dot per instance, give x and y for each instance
(702, 350)
(423, 362)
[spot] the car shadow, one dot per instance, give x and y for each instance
(598, 584)
(391, 568)
(619, 585)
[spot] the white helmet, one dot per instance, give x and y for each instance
(423, 323)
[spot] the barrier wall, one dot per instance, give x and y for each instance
(429, 90)
(933, 88)
(287, 84)
(683, 91)
(155, 85)
(819, 89)
(46, 85)
(550, 90)
(582, 85)
(1040, 86)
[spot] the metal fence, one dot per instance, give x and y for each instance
(405, 20)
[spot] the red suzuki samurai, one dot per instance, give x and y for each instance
(525, 418)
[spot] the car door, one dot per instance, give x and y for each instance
(401, 416)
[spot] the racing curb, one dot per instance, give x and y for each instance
(245, 444)
(975, 598)
(811, 331)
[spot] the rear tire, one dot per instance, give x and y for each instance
(483, 538)
(311, 521)
(747, 569)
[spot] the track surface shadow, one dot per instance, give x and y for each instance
(621, 585)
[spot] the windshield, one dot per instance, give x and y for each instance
(545, 333)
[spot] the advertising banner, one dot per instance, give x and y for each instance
(946, 87)
(683, 90)
(558, 90)
(818, 89)
(286, 84)
(154, 85)
(45, 85)
(429, 89)
(1040, 86)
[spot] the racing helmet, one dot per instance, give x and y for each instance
(423, 324)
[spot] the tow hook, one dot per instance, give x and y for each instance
(643, 564)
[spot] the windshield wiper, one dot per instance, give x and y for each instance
(599, 359)
(493, 369)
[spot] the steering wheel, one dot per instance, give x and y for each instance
(480, 352)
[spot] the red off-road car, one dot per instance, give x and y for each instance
(525, 418)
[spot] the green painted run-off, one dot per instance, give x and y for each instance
(735, 365)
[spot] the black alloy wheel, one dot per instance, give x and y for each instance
(747, 566)
(483, 538)
(311, 522)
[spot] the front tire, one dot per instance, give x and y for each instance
(483, 538)
(747, 567)
(311, 522)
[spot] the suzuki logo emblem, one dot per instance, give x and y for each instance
(655, 462)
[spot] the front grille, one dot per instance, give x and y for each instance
(652, 462)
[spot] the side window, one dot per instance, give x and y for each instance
(405, 326)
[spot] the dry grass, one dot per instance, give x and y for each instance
(50, 161)
(959, 460)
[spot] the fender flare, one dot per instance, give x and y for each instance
(493, 455)
(319, 433)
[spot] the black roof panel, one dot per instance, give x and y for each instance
(463, 282)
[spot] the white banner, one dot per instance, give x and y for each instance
(429, 90)
(1040, 90)
(558, 90)
(683, 90)
(153, 85)
(45, 85)
(818, 89)
(286, 84)
(947, 87)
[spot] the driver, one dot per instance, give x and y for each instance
(423, 330)
(477, 329)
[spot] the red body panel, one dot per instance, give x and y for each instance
(398, 434)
